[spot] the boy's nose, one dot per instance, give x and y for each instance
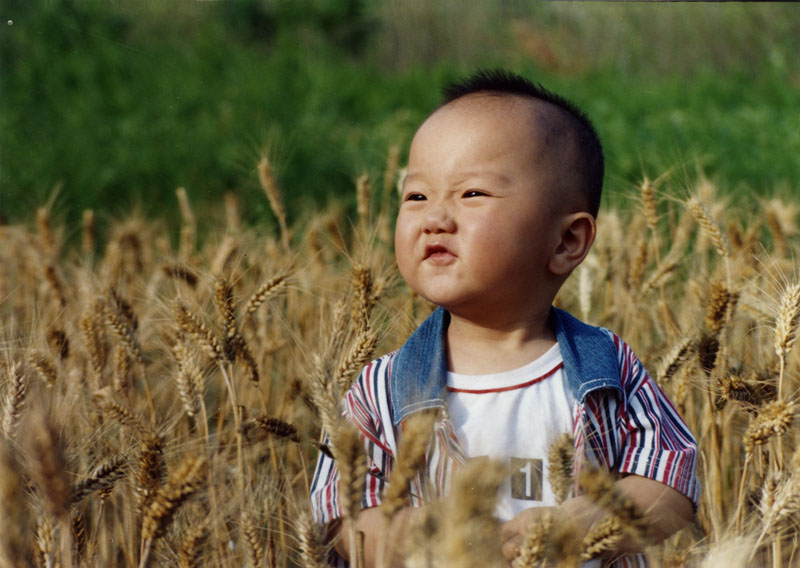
(438, 219)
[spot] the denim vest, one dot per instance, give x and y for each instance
(419, 370)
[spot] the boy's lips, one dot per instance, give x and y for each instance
(438, 253)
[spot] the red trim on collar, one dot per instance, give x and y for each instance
(512, 387)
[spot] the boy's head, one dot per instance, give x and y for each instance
(499, 201)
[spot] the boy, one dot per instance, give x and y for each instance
(498, 207)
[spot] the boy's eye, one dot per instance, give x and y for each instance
(473, 193)
(415, 197)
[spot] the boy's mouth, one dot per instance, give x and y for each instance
(437, 252)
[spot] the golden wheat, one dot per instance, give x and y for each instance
(251, 382)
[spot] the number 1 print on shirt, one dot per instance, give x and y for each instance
(526, 479)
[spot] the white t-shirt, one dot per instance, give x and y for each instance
(514, 416)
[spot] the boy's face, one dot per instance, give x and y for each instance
(477, 222)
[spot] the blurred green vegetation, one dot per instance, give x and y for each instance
(112, 106)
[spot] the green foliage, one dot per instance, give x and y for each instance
(120, 104)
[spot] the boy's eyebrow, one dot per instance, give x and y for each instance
(462, 176)
(499, 176)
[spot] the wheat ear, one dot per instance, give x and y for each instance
(193, 326)
(254, 546)
(363, 189)
(14, 536)
(188, 379)
(774, 418)
(266, 178)
(59, 343)
(79, 537)
(124, 333)
(673, 360)
(191, 545)
(786, 327)
(474, 540)
(185, 480)
(720, 304)
(313, 552)
(223, 298)
(149, 471)
(416, 436)
(265, 291)
(45, 226)
(88, 233)
(49, 475)
(649, 203)
(604, 536)
(709, 226)
(534, 546)
(360, 353)
(189, 226)
(600, 488)
(561, 457)
(44, 367)
(93, 341)
(14, 399)
(181, 272)
(102, 479)
(276, 427)
(781, 508)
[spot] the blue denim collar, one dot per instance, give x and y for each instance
(419, 369)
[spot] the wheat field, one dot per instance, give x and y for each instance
(163, 403)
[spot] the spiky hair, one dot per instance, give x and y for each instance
(590, 166)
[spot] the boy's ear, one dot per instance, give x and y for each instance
(578, 231)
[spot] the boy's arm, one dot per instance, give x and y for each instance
(364, 409)
(651, 449)
(665, 511)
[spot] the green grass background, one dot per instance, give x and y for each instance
(112, 105)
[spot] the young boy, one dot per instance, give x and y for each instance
(498, 207)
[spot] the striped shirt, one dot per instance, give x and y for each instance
(637, 433)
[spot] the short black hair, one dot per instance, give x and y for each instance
(591, 166)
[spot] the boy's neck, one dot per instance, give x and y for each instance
(497, 345)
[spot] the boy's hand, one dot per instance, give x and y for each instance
(665, 511)
(512, 533)
(377, 534)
